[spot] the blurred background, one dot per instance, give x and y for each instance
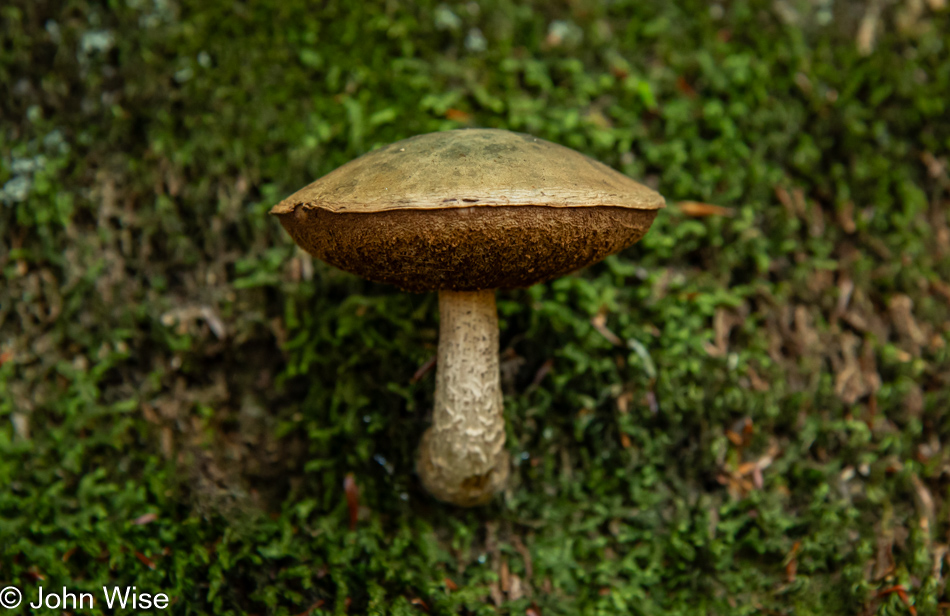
(742, 414)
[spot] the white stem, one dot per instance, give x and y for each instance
(462, 458)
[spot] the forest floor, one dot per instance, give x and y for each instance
(742, 414)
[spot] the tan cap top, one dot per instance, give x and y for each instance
(470, 168)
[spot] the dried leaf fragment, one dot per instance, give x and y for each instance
(316, 604)
(600, 324)
(458, 115)
(147, 518)
(902, 593)
(867, 30)
(424, 369)
(698, 209)
(791, 564)
(352, 498)
(145, 560)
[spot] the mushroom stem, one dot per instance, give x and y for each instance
(462, 457)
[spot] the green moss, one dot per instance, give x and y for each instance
(166, 350)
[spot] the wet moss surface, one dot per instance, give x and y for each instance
(743, 413)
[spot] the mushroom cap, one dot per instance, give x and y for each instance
(468, 209)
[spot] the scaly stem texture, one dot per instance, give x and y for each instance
(462, 458)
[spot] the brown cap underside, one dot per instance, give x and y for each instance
(471, 168)
(466, 249)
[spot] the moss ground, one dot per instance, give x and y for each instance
(742, 414)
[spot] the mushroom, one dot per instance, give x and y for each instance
(465, 212)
